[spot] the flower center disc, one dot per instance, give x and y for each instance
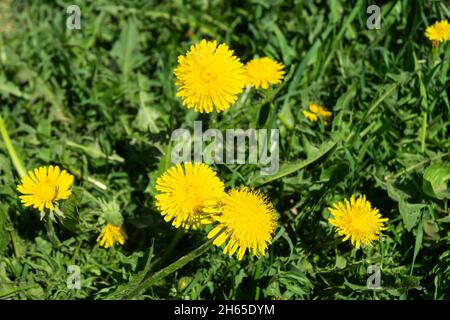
(47, 192)
(360, 225)
(208, 76)
(194, 199)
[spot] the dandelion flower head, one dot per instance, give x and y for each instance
(246, 221)
(315, 112)
(111, 235)
(262, 72)
(186, 192)
(438, 32)
(209, 77)
(44, 186)
(357, 220)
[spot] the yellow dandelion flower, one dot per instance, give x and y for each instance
(246, 220)
(438, 32)
(357, 221)
(209, 76)
(43, 187)
(316, 112)
(111, 235)
(261, 72)
(186, 192)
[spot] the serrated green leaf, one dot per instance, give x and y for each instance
(71, 215)
(410, 213)
(288, 168)
(125, 48)
(435, 181)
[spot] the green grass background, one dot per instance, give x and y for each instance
(101, 103)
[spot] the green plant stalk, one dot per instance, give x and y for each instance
(51, 233)
(423, 131)
(95, 182)
(168, 252)
(148, 280)
(445, 67)
(16, 244)
(12, 152)
(415, 166)
(94, 153)
(256, 277)
(417, 245)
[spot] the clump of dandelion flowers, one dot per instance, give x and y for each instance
(247, 220)
(315, 112)
(186, 192)
(111, 235)
(262, 72)
(43, 187)
(209, 76)
(438, 32)
(357, 220)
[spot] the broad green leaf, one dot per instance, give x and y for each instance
(147, 116)
(435, 181)
(335, 173)
(354, 286)
(287, 52)
(286, 116)
(341, 262)
(336, 9)
(124, 49)
(309, 148)
(410, 213)
(445, 219)
(4, 239)
(146, 119)
(95, 151)
(8, 88)
(431, 229)
(53, 95)
(132, 285)
(418, 244)
(71, 216)
(288, 168)
(393, 193)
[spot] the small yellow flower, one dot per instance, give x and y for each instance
(185, 193)
(261, 72)
(316, 112)
(209, 76)
(438, 32)
(247, 220)
(357, 221)
(111, 235)
(43, 187)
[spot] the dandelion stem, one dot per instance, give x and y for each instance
(415, 166)
(148, 280)
(213, 119)
(12, 152)
(95, 182)
(173, 243)
(423, 131)
(51, 233)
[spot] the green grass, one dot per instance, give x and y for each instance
(101, 103)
